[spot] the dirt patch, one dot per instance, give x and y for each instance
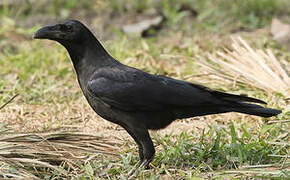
(78, 116)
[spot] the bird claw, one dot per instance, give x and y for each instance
(140, 165)
(145, 163)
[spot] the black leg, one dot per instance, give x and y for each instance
(140, 147)
(146, 148)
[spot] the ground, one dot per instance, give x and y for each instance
(221, 146)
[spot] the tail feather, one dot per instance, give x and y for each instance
(236, 98)
(254, 109)
(240, 104)
(227, 103)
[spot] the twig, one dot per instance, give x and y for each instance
(9, 101)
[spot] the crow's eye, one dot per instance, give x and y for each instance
(65, 28)
(69, 28)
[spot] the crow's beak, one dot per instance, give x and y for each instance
(48, 32)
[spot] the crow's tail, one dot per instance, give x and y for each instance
(243, 104)
(254, 109)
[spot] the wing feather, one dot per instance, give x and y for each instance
(141, 91)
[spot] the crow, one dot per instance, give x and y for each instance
(134, 99)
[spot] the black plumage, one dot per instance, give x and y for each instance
(137, 100)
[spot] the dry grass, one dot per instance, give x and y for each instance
(255, 67)
(21, 155)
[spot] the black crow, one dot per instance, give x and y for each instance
(137, 100)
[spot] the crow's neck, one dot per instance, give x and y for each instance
(88, 56)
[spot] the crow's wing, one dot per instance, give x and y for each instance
(133, 90)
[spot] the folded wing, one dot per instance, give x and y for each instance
(135, 91)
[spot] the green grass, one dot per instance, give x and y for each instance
(233, 147)
(192, 155)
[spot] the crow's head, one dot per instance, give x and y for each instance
(71, 31)
(75, 37)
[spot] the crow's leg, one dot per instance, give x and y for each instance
(146, 148)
